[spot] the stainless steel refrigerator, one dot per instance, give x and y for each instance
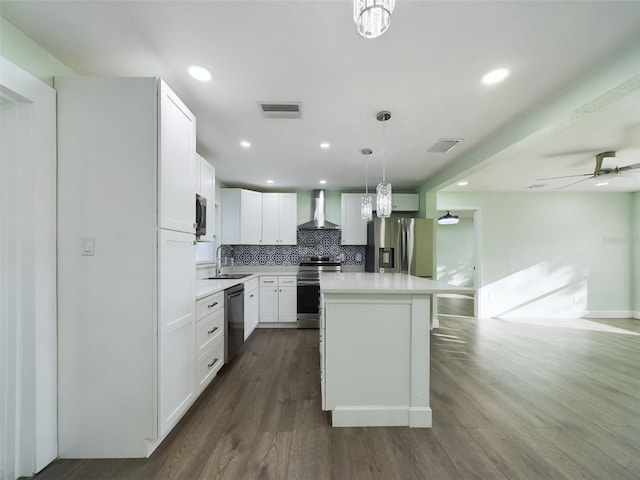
(400, 245)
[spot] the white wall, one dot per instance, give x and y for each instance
(29, 283)
(635, 239)
(28, 429)
(552, 254)
(16, 47)
(455, 246)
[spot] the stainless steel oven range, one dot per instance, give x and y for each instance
(308, 290)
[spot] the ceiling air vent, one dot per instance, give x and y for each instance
(444, 145)
(280, 110)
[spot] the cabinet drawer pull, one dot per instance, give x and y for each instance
(211, 305)
(212, 330)
(215, 360)
(251, 296)
(269, 281)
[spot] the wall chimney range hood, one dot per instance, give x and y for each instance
(318, 222)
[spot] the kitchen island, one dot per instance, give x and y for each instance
(374, 347)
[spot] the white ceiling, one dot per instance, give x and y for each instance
(426, 70)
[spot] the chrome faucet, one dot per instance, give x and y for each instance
(218, 260)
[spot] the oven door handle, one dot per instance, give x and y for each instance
(308, 283)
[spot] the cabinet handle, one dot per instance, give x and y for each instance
(212, 330)
(195, 225)
(269, 281)
(211, 305)
(251, 296)
(215, 360)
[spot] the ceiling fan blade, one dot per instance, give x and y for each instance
(579, 181)
(633, 166)
(566, 176)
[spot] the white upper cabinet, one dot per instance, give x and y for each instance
(403, 202)
(241, 216)
(354, 229)
(177, 167)
(207, 189)
(279, 218)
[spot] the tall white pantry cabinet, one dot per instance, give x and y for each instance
(126, 260)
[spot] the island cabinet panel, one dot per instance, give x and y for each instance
(374, 351)
(367, 359)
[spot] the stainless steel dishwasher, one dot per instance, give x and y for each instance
(233, 321)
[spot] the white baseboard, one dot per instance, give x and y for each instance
(611, 314)
(420, 417)
(636, 315)
(377, 416)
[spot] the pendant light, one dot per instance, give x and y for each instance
(372, 17)
(366, 205)
(448, 219)
(383, 191)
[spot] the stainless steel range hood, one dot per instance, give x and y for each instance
(318, 222)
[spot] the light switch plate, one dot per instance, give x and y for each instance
(88, 246)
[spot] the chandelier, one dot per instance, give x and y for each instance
(366, 205)
(372, 17)
(383, 191)
(448, 219)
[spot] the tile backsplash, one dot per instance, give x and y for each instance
(310, 242)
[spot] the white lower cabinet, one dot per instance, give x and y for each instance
(251, 306)
(177, 316)
(278, 301)
(209, 363)
(209, 339)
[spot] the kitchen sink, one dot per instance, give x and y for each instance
(229, 276)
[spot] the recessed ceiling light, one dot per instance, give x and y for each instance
(269, 181)
(602, 184)
(496, 76)
(324, 145)
(463, 183)
(322, 182)
(200, 73)
(245, 144)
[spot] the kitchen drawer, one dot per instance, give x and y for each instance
(287, 281)
(209, 363)
(269, 281)
(251, 284)
(209, 330)
(209, 305)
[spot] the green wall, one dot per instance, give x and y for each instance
(635, 242)
(554, 254)
(16, 47)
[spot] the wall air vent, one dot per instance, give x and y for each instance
(444, 145)
(280, 109)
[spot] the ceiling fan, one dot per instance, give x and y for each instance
(606, 164)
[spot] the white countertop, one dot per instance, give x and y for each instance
(391, 283)
(204, 288)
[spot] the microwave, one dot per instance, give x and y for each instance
(201, 215)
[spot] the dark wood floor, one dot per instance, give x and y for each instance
(510, 401)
